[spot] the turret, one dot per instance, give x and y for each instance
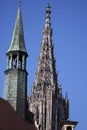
(15, 86)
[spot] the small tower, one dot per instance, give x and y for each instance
(15, 86)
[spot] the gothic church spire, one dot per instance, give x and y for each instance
(46, 100)
(46, 71)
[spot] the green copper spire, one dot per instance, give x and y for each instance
(17, 42)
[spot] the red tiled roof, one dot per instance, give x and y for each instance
(9, 119)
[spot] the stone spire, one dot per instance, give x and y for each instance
(46, 71)
(17, 42)
(46, 101)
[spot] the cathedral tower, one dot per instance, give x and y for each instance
(15, 86)
(46, 100)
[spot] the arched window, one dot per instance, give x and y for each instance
(14, 61)
(69, 128)
(20, 62)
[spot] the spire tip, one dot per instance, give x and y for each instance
(66, 95)
(19, 1)
(48, 9)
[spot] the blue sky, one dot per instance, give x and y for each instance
(69, 23)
